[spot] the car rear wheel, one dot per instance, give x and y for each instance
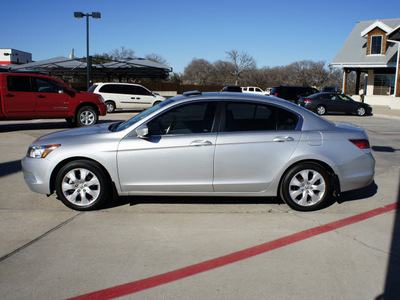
(320, 109)
(86, 116)
(110, 106)
(82, 185)
(361, 111)
(306, 187)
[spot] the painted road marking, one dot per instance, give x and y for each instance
(147, 283)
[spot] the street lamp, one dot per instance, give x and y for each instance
(94, 15)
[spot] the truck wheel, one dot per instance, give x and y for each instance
(86, 116)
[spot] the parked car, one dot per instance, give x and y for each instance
(253, 90)
(125, 96)
(34, 96)
(232, 89)
(211, 144)
(292, 93)
(331, 89)
(323, 103)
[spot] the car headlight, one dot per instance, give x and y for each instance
(41, 151)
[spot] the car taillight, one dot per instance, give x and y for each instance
(307, 101)
(361, 143)
(276, 94)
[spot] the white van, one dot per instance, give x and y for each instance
(125, 96)
(253, 90)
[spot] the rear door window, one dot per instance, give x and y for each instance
(19, 84)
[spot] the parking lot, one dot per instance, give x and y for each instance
(200, 248)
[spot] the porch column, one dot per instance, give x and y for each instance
(344, 86)
(358, 74)
(397, 78)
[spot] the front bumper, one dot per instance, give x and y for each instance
(37, 172)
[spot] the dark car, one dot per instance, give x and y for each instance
(292, 93)
(232, 88)
(322, 103)
(331, 89)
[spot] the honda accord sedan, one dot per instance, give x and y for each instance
(211, 144)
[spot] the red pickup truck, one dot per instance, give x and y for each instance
(34, 96)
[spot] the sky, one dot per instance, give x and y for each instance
(274, 33)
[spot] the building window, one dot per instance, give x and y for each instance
(384, 84)
(376, 44)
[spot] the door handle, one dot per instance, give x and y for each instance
(41, 96)
(200, 143)
(9, 95)
(281, 139)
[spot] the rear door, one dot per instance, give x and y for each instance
(135, 97)
(19, 98)
(254, 144)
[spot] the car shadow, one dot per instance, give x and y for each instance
(182, 200)
(10, 167)
(354, 195)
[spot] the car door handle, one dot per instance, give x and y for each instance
(200, 143)
(41, 96)
(135, 98)
(281, 139)
(9, 95)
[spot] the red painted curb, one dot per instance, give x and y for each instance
(147, 283)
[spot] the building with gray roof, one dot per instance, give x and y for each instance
(372, 49)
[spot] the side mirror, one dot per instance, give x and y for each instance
(142, 131)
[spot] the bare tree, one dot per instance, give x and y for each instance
(198, 72)
(241, 62)
(122, 53)
(157, 58)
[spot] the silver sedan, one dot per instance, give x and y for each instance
(212, 144)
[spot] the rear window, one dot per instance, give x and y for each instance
(19, 84)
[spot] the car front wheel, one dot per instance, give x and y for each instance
(361, 111)
(306, 187)
(110, 106)
(82, 185)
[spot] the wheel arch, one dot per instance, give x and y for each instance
(327, 167)
(61, 164)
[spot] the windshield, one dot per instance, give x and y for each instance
(142, 115)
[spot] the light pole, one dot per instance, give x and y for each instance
(94, 15)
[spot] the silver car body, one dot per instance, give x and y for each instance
(238, 163)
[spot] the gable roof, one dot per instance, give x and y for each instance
(353, 51)
(378, 24)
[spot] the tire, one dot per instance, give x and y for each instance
(86, 116)
(361, 111)
(110, 106)
(82, 185)
(306, 187)
(320, 110)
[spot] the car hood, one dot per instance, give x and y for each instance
(80, 135)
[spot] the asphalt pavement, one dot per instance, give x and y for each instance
(201, 248)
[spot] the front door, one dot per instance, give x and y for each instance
(177, 155)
